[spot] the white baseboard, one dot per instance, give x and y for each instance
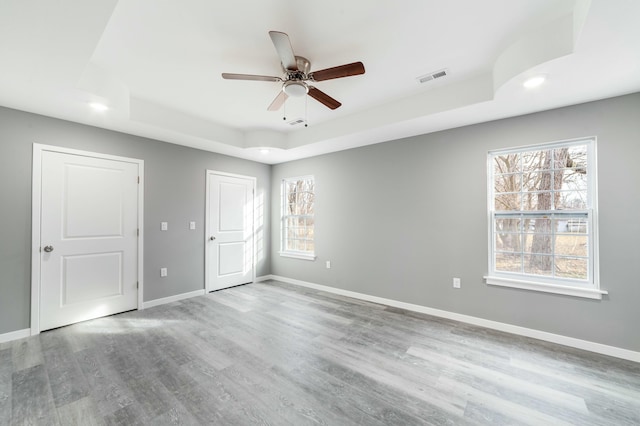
(264, 278)
(508, 328)
(15, 335)
(162, 301)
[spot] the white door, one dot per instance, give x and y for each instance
(88, 238)
(229, 230)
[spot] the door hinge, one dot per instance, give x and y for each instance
(137, 284)
(138, 179)
(138, 232)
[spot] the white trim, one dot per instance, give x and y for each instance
(165, 300)
(207, 225)
(494, 325)
(36, 197)
(15, 335)
(297, 255)
(263, 278)
(589, 293)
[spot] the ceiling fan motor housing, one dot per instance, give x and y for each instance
(303, 64)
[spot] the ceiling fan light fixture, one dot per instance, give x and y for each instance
(295, 89)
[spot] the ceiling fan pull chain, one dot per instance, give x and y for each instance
(306, 101)
(284, 112)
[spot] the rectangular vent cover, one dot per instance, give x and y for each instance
(433, 75)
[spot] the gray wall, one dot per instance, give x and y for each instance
(398, 220)
(174, 192)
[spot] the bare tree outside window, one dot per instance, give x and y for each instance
(541, 211)
(298, 215)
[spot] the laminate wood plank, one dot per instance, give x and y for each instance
(346, 400)
(26, 353)
(509, 385)
(6, 371)
(66, 379)
(107, 390)
(416, 407)
(80, 412)
(176, 415)
(31, 399)
(414, 382)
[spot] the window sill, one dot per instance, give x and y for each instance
(589, 293)
(303, 256)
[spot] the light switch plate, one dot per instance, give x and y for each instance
(192, 225)
(163, 272)
(164, 226)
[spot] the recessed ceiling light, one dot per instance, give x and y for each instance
(264, 151)
(98, 106)
(534, 81)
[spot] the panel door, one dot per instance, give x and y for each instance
(230, 231)
(89, 215)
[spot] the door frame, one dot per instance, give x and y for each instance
(207, 231)
(36, 211)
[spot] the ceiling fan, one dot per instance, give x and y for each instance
(297, 75)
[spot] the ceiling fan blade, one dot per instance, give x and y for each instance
(278, 101)
(323, 98)
(347, 70)
(285, 51)
(231, 76)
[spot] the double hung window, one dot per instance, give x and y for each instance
(542, 218)
(298, 217)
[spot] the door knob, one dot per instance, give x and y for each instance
(212, 238)
(48, 249)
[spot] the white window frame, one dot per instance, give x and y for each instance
(284, 251)
(589, 288)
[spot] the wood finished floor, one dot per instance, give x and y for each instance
(271, 353)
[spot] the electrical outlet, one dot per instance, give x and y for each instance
(328, 264)
(163, 272)
(164, 226)
(456, 283)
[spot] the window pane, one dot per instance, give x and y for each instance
(507, 202)
(310, 246)
(538, 264)
(571, 200)
(508, 163)
(509, 242)
(571, 245)
(536, 161)
(537, 201)
(567, 267)
(537, 181)
(571, 179)
(538, 243)
(508, 183)
(508, 262)
(507, 225)
(576, 226)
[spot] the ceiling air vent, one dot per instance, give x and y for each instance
(432, 76)
(296, 122)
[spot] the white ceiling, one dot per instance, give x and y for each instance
(157, 64)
